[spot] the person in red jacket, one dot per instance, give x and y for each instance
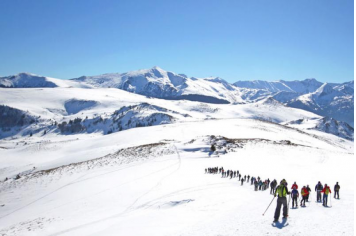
(294, 186)
(326, 192)
(304, 193)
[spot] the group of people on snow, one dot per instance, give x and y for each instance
(281, 191)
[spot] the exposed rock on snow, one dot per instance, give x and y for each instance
(74, 106)
(327, 125)
(332, 126)
(127, 117)
(13, 120)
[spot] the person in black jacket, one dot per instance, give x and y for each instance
(318, 189)
(273, 186)
(336, 190)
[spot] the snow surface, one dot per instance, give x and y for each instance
(129, 188)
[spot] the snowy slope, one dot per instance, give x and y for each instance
(151, 181)
(75, 110)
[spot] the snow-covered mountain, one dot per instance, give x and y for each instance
(158, 83)
(28, 80)
(299, 87)
(325, 124)
(333, 100)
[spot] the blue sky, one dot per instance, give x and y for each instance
(236, 40)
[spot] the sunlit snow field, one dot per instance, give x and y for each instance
(162, 189)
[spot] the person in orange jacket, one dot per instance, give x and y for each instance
(295, 186)
(305, 194)
(326, 192)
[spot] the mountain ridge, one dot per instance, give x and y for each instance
(326, 99)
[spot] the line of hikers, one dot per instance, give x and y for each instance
(281, 190)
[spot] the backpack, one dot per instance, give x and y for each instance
(327, 190)
(281, 190)
(337, 187)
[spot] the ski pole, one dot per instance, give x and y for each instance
(330, 201)
(269, 205)
(288, 204)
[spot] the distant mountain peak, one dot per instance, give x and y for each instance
(271, 101)
(324, 89)
(27, 74)
(157, 68)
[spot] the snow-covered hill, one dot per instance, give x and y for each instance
(152, 181)
(77, 110)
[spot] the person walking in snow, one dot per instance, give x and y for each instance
(260, 185)
(282, 192)
(248, 178)
(326, 192)
(309, 191)
(273, 186)
(295, 195)
(304, 193)
(242, 181)
(239, 177)
(318, 189)
(256, 185)
(336, 190)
